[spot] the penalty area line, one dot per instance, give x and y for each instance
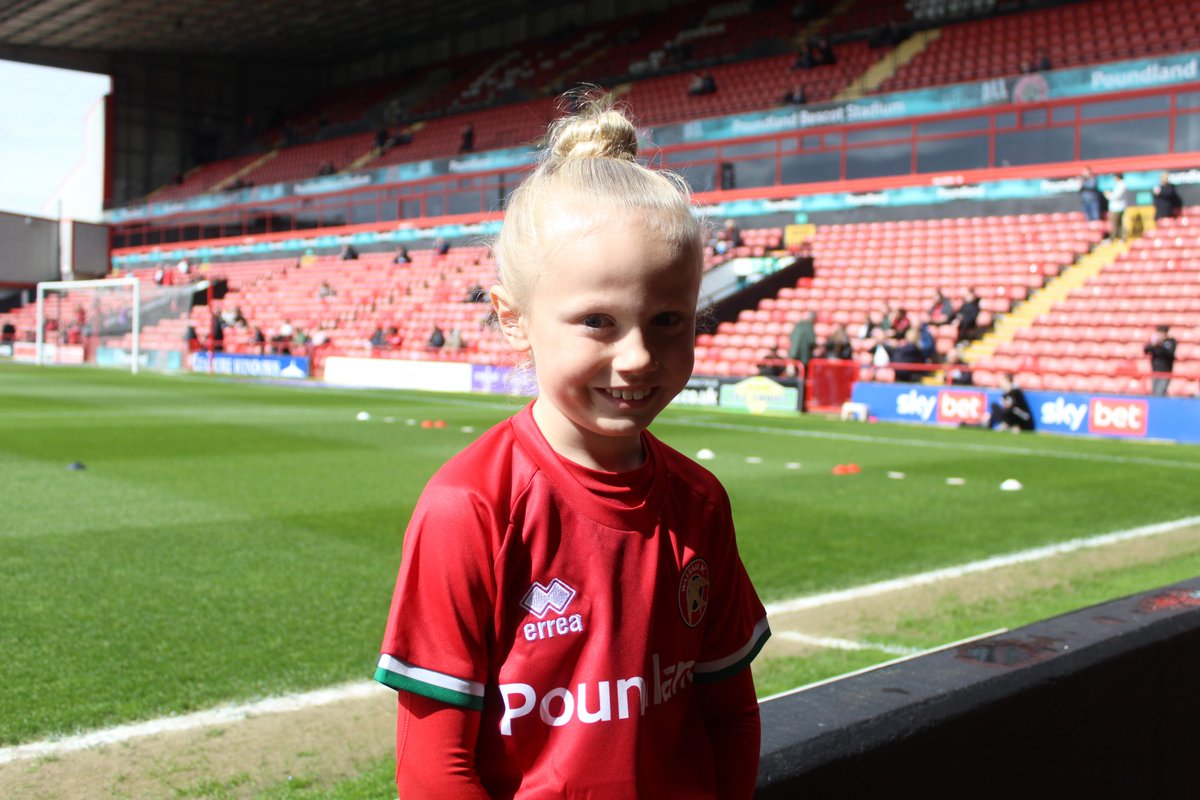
(971, 568)
(220, 715)
(834, 643)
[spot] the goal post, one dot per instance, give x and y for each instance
(117, 322)
(113, 306)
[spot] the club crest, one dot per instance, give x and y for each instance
(693, 592)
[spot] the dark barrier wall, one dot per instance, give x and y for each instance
(1104, 702)
(28, 249)
(89, 246)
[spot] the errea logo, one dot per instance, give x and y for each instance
(539, 601)
(555, 597)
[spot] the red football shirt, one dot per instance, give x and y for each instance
(575, 609)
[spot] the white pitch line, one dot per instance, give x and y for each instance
(220, 715)
(295, 702)
(995, 562)
(932, 444)
(833, 643)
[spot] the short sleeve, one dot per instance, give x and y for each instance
(736, 626)
(440, 625)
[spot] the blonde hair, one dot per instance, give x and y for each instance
(591, 157)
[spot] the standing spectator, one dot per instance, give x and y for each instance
(803, 339)
(1089, 194)
(1161, 350)
(260, 339)
(1118, 201)
(1012, 412)
(1167, 202)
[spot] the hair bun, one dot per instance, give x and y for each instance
(596, 132)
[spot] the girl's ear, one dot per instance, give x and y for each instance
(509, 317)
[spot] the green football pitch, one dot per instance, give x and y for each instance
(232, 540)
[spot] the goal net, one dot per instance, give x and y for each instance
(115, 322)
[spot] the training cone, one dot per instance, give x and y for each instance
(840, 469)
(426, 423)
(441, 423)
(853, 469)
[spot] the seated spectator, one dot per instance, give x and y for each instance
(941, 311)
(378, 338)
(925, 340)
(771, 364)
(394, 337)
(466, 142)
(796, 96)
(160, 275)
(956, 374)
(8, 332)
(401, 256)
(838, 345)
(192, 340)
(968, 316)
(476, 294)
(900, 324)
(455, 341)
(804, 58)
(909, 353)
(823, 51)
(1012, 412)
(702, 83)
(326, 168)
(441, 246)
(869, 327)
(436, 338)
(880, 352)
(727, 238)
(300, 338)
(348, 253)
(260, 340)
(326, 290)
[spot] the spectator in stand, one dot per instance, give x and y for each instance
(160, 275)
(838, 344)
(8, 332)
(282, 340)
(925, 340)
(1161, 350)
(900, 324)
(824, 51)
(1167, 202)
(455, 340)
(1012, 412)
(1118, 201)
(869, 327)
(466, 143)
(803, 339)
(217, 340)
(771, 364)
(348, 253)
(326, 290)
(476, 294)
(437, 339)
(1089, 194)
(441, 246)
(804, 58)
(941, 311)
(880, 353)
(401, 256)
(727, 238)
(260, 340)
(300, 339)
(192, 340)
(378, 338)
(326, 168)
(967, 316)
(909, 353)
(184, 268)
(956, 374)
(796, 96)
(702, 83)
(394, 337)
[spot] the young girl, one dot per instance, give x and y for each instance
(571, 617)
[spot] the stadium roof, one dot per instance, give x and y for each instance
(302, 30)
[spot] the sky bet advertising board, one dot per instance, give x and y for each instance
(1174, 419)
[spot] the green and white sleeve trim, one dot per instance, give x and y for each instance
(436, 686)
(709, 671)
